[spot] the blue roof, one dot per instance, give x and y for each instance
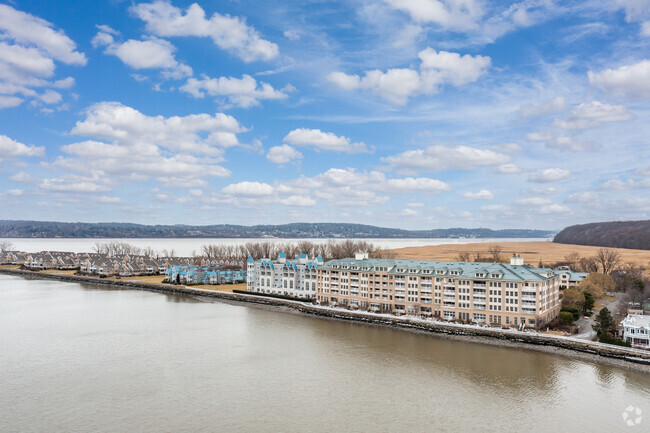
(282, 255)
(250, 259)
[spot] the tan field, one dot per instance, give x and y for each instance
(532, 252)
(57, 272)
(153, 279)
(222, 287)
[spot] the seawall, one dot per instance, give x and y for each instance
(636, 359)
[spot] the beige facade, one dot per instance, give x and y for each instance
(495, 293)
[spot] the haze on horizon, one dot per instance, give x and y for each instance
(412, 114)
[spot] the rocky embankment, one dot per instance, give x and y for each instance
(592, 351)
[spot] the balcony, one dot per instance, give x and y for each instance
(479, 285)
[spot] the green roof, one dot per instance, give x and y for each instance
(467, 269)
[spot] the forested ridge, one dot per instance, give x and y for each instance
(615, 234)
(50, 229)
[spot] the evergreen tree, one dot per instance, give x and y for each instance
(603, 321)
(588, 304)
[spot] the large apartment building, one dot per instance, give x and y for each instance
(511, 294)
(283, 276)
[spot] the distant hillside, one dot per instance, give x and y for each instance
(619, 234)
(45, 229)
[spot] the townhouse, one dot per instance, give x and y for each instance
(512, 294)
(204, 275)
(282, 276)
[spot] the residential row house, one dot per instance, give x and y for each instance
(288, 277)
(96, 264)
(504, 294)
(204, 275)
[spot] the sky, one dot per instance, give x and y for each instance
(415, 114)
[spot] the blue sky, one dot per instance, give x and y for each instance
(401, 113)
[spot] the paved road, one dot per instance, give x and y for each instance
(586, 332)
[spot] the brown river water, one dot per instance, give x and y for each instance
(86, 358)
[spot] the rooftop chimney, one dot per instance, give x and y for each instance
(516, 259)
(360, 256)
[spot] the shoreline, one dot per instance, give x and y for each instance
(628, 358)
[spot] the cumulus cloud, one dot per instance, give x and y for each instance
(437, 68)
(458, 15)
(481, 21)
(591, 114)
(507, 169)
(620, 185)
(9, 101)
(151, 53)
(320, 140)
(336, 187)
(227, 32)
(549, 175)
(483, 194)
(242, 92)
(563, 142)
(283, 154)
(11, 148)
(645, 28)
(409, 212)
(440, 158)
(178, 151)
(298, 201)
(29, 47)
(22, 177)
(29, 30)
(632, 81)
(249, 189)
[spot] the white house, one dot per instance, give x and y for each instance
(636, 330)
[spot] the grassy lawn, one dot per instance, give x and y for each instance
(62, 272)
(154, 279)
(222, 287)
(9, 266)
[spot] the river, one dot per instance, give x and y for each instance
(188, 246)
(81, 357)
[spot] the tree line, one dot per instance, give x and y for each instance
(239, 253)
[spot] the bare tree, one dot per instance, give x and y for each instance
(464, 256)
(478, 257)
(587, 264)
(495, 252)
(608, 259)
(572, 260)
(6, 246)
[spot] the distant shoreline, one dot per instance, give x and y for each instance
(52, 229)
(634, 359)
